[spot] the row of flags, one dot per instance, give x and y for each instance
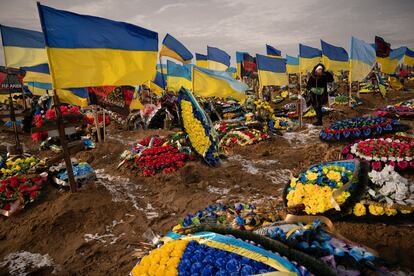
(78, 51)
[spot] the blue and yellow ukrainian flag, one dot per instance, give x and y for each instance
(39, 73)
(87, 51)
(173, 48)
(74, 96)
(362, 59)
(308, 58)
(217, 59)
(334, 58)
(22, 47)
(39, 88)
(271, 71)
(201, 60)
(408, 57)
(388, 65)
(273, 52)
(178, 75)
(212, 83)
(292, 65)
(157, 85)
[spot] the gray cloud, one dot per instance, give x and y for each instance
(242, 25)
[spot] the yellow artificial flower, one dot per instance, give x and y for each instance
(376, 210)
(195, 130)
(390, 211)
(406, 212)
(360, 210)
(293, 182)
(311, 176)
(333, 175)
(18, 168)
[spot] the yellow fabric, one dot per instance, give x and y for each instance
(66, 96)
(207, 86)
(100, 67)
(334, 65)
(175, 83)
(408, 60)
(36, 90)
(202, 63)
(292, 69)
(359, 70)
(37, 77)
(155, 88)
(136, 103)
(387, 65)
(213, 65)
(5, 98)
(307, 64)
(20, 57)
(271, 78)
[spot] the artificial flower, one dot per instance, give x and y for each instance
(360, 210)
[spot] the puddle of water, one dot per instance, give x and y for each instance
(20, 263)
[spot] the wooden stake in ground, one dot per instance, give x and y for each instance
(104, 125)
(95, 118)
(63, 142)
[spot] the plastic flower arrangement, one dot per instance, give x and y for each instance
(242, 137)
(198, 127)
(380, 152)
(18, 166)
(208, 253)
(358, 128)
(154, 154)
(402, 110)
(388, 194)
(315, 188)
(238, 216)
(50, 115)
(275, 122)
(23, 189)
(313, 239)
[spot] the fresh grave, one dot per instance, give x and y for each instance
(155, 154)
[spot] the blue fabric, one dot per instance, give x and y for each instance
(41, 68)
(334, 52)
(362, 51)
(309, 52)
(276, 65)
(17, 37)
(173, 44)
(292, 60)
(272, 51)
(200, 56)
(218, 55)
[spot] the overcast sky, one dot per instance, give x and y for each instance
(242, 25)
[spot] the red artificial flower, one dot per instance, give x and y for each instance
(6, 207)
(9, 194)
(2, 188)
(377, 165)
(349, 156)
(34, 194)
(403, 164)
(51, 114)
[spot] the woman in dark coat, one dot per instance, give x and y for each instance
(318, 89)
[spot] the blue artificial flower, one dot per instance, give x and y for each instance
(233, 266)
(338, 136)
(196, 267)
(247, 270)
(346, 134)
(388, 127)
(239, 220)
(357, 133)
(208, 270)
(379, 129)
(367, 132)
(356, 253)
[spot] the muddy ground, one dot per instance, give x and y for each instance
(102, 228)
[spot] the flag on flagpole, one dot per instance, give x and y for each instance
(308, 58)
(292, 65)
(178, 76)
(217, 59)
(212, 83)
(273, 52)
(173, 48)
(22, 47)
(271, 71)
(362, 59)
(334, 58)
(88, 51)
(201, 60)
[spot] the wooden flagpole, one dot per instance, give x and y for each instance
(63, 142)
